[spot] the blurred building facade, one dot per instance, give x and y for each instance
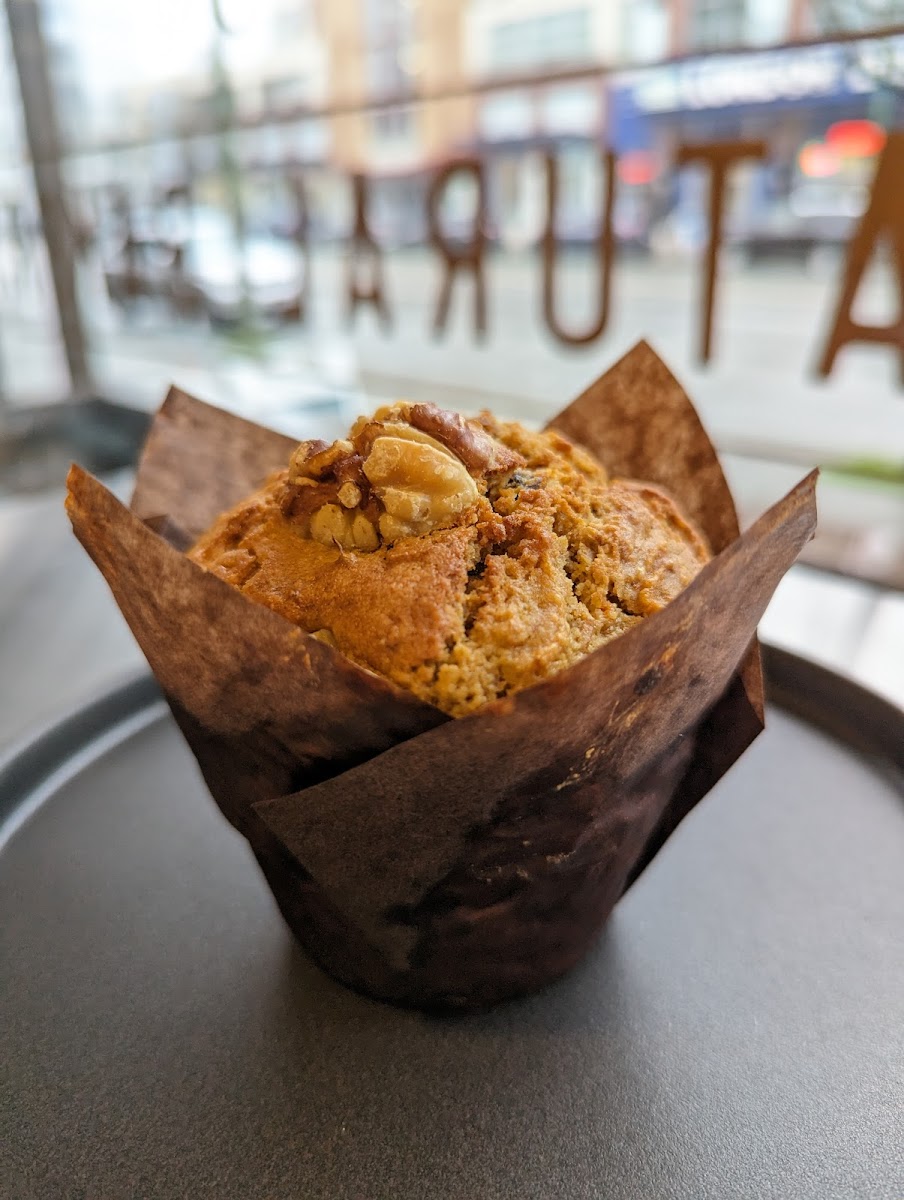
(792, 97)
(383, 53)
(330, 87)
(221, 118)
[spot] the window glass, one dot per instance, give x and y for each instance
(208, 187)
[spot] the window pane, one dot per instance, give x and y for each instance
(208, 187)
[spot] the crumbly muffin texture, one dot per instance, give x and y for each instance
(462, 559)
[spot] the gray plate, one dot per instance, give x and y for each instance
(738, 1031)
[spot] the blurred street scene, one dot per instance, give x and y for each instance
(178, 205)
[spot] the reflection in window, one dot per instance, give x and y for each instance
(830, 15)
(645, 30)
(716, 23)
(388, 35)
(393, 123)
(556, 37)
(507, 114)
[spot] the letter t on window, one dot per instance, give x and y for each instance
(719, 156)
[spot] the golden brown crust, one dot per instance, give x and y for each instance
(549, 562)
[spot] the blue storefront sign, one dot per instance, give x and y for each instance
(758, 82)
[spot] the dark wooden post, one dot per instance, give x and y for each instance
(42, 133)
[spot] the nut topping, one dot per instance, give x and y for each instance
(480, 453)
(315, 460)
(420, 485)
(349, 495)
(407, 470)
(332, 525)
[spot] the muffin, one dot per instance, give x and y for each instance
(330, 645)
(464, 560)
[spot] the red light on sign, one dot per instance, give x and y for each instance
(856, 139)
(817, 160)
(636, 167)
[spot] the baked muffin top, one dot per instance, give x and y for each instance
(462, 559)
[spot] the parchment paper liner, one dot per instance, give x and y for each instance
(426, 860)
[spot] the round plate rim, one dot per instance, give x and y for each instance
(33, 769)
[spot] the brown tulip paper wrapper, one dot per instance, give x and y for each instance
(421, 859)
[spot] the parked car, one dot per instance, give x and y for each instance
(195, 265)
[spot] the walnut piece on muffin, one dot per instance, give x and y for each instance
(462, 559)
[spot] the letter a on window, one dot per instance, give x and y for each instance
(884, 217)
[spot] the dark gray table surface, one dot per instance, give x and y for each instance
(737, 1032)
(61, 635)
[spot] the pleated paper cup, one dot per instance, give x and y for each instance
(421, 859)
